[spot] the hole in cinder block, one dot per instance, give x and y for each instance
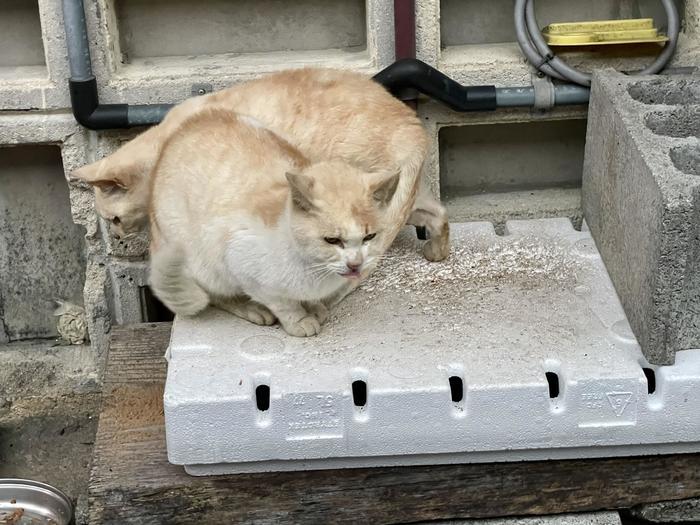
(686, 158)
(553, 382)
(262, 397)
(666, 91)
(477, 22)
(497, 172)
(42, 251)
(651, 379)
(456, 389)
(152, 309)
(20, 34)
(684, 121)
(359, 393)
(169, 28)
(505, 157)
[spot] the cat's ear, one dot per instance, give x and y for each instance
(384, 188)
(108, 180)
(301, 187)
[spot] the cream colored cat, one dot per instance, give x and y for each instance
(240, 219)
(326, 114)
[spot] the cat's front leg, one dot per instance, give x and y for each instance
(245, 308)
(292, 315)
(321, 310)
(345, 290)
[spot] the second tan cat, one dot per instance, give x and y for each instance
(326, 114)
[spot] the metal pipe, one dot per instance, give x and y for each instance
(405, 42)
(412, 73)
(564, 94)
(145, 115)
(77, 40)
(85, 102)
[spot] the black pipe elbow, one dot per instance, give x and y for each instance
(411, 73)
(88, 111)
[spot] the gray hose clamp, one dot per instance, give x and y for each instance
(544, 92)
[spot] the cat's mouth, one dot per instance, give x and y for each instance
(351, 274)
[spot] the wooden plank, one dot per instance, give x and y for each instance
(132, 482)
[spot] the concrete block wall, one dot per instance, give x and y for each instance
(499, 165)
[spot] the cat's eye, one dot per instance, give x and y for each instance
(333, 240)
(116, 221)
(369, 237)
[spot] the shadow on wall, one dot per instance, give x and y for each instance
(42, 252)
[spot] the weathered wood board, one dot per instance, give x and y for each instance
(132, 481)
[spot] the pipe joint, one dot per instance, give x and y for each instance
(411, 73)
(89, 112)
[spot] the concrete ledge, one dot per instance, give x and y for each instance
(593, 518)
(682, 511)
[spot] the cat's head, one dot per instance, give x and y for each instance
(121, 195)
(337, 216)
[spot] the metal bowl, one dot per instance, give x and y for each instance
(27, 502)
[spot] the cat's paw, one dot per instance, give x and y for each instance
(257, 314)
(435, 251)
(305, 327)
(319, 311)
(438, 247)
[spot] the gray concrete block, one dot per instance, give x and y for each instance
(492, 22)
(510, 156)
(589, 518)
(641, 199)
(33, 65)
(49, 407)
(474, 42)
(681, 511)
(42, 257)
(137, 68)
(127, 280)
(20, 34)
(244, 26)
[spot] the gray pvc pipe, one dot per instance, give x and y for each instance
(564, 94)
(77, 40)
(145, 115)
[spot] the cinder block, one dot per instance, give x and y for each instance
(33, 65)
(589, 518)
(42, 256)
(641, 199)
(681, 511)
(128, 279)
(475, 43)
(138, 64)
(514, 348)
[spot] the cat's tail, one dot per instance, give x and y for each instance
(171, 283)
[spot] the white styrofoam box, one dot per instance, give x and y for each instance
(499, 315)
